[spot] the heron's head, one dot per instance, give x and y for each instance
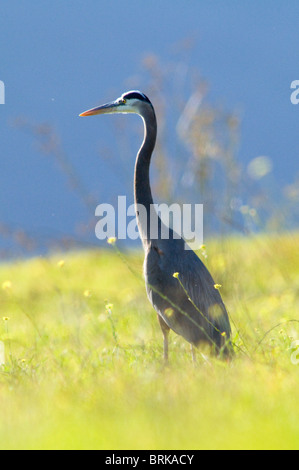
(129, 102)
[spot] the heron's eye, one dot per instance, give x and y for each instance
(124, 101)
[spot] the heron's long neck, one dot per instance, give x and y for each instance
(142, 190)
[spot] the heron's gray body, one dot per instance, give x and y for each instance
(190, 305)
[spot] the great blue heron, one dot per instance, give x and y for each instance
(178, 284)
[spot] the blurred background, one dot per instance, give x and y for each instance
(219, 75)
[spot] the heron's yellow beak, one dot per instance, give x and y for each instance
(104, 109)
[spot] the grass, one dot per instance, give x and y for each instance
(83, 355)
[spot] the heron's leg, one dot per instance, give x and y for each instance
(165, 330)
(193, 354)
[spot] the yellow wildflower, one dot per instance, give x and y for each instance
(6, 285)
(217, 286)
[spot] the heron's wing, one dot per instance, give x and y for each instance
(200, 287)
(193, 293)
